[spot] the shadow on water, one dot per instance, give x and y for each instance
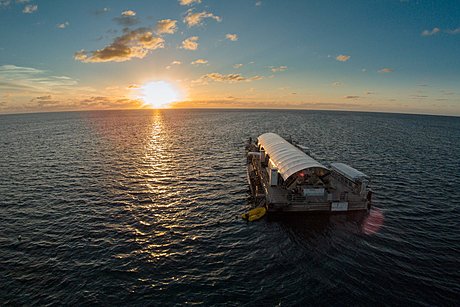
(309, 225)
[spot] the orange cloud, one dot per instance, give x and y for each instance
(199, 61)
(127, 18)
(386, 70)
(166, 26)
(128, 13)
(132, 44)
(232, 37)
(190, 43)
(342, 58)
(195, 19)
(188, 2)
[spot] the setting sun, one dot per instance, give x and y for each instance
(159, 94)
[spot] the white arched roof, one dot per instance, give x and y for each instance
(287, 158)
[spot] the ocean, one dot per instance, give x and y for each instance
(143, 207)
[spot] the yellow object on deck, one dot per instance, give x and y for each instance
(254, 214)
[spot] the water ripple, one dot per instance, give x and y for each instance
(142, 207)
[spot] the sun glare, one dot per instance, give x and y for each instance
(159, 94)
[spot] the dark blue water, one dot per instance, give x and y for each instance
(142, 208)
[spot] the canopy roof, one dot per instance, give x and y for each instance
(287, 158)
(348, 171)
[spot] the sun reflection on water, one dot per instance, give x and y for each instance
(156, 210)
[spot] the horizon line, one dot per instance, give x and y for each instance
(229, 109)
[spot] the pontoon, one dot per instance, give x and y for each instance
(284, 178)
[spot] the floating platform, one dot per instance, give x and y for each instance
(283, 176)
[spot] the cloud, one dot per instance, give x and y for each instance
(188, 2)
(418, 96)
(17, 78)
(30, 8)
(44, 101)
(175, 62)
(279, 68)
(447, 92)
(85, 102)
(132, 44)
(127, 18)
(232, 37)
(454, 31)
(31, 89)
(15, 71)
(128, 13)
(258, 3)
(62, 25)
(194, 19)
(166, 26)
(47, 97)
(342, 58)
(437, 30)
(352, 97)
(199, 62)
(106, 101)
(237, 65)
(430, 33)
(386, 70)
(230, 78)
(190, 43)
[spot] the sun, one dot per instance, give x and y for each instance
(159, 94)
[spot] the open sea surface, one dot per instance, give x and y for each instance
(143, 208)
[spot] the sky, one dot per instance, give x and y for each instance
(371, 55)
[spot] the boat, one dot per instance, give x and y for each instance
(254, 214)
(286, 179)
